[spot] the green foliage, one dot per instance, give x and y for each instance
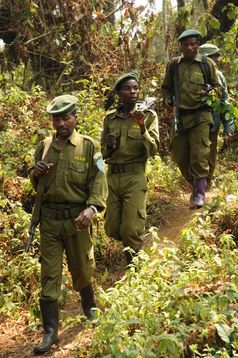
(19, 285)
(163, 175)
(177, 301)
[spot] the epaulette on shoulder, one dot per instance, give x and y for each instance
(93, 141)
(111, 112)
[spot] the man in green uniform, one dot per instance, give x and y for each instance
(221, 115)
(129, 137)
(187, 83)
(70, 174)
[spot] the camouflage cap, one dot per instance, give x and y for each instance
(123, 78)
(62, 105)
(189, 33)
(209, 49)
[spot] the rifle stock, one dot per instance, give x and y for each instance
(35, 219)
(31, 234)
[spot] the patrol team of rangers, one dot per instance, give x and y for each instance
(69, 172)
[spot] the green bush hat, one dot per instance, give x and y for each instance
(62, 105)
(189, 33)
(123, 78)
(209, 50)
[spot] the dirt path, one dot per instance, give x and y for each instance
(16, 339)
(179, 218)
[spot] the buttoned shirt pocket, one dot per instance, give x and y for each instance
(77, 172)
(197, 82)
(134, 139)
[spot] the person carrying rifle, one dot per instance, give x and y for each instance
(74, 189)
(221, 115)
(188, 81)
(129, 137)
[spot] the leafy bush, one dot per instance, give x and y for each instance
(177, 301)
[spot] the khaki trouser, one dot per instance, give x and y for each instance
(126, 208)
(190, 150)
(58, 236)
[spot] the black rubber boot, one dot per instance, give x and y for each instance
(198, 196)
(50, 319)
(129, 256)
(87, 298)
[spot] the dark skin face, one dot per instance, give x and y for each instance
(128, 95)
(189, 47)
(64, 125)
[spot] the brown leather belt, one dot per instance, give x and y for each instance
(125, 168)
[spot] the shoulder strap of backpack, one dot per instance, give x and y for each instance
(175, 72)
(205, 70)
(79, 151)
(47, 143)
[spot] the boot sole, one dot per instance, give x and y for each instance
(40, 352)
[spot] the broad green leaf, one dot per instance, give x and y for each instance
(223, 331)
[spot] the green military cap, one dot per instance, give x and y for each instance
(189, 33)
(123, 78)
(62, 105)
(209, 49)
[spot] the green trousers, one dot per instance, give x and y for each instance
(190, 150)
(57, 237)
(126, 208)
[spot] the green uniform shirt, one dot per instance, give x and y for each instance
(132, 146)
(191, 82)
(73, 178)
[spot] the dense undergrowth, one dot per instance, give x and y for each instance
(177, 301)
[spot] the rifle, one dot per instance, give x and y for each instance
(31, 234)
(175, 118)
(35, 218)
(144, 104)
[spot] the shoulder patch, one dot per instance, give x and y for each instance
(93, 141)
(99, 161)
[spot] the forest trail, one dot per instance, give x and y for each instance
(178, 219)
(17, 340)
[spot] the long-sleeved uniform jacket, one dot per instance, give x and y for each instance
(132, 146)
(74, 179)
